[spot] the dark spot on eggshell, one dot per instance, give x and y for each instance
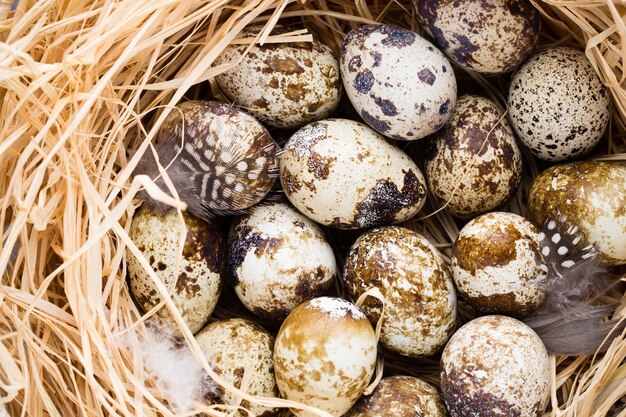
(355, 63)
(377, 58)
(161, 266)
(320, 166)
(443, 109)
(364, 81)
(204, 241)
(187, 284)
(397, 37)
(385, 200)
(261, 103)
(242, 242)
(504, 303)
(427, 76)
(285, 66)
(312, 283)
(376, 123)
(274, 82)
(290, 182)
(474, 254)
(462, 402)
(386, 106)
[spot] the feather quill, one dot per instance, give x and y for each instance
(568, 322)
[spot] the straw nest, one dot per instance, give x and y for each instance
(78, 80)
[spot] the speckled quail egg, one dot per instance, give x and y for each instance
(473, 164)
(399, 83)
(420, 301)
(234, 347)
(558, 106)
(193, 277)
(325, 355)
(228, 161)
(496, 264)
(278, 259)
(487, 36)
(343, 174)
(285, 84)
(592, 197)
(495, 366)
(400, 396)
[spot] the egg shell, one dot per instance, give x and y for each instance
(400, 396)
(420, 301)
(324, 159)
(495, 366)
(234, 347)
(473, 163)
(496, 262)
(557, 105)
(325, 355)
(487, 36)
(399, 83)
(192, 278)
(592, 196)
(278, 259)
(285, 84)
(243, 164)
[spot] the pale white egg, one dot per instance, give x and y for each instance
(278, 259)
(399, 83)
(343, 174)
(495, 366)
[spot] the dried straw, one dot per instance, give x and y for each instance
(79, 82)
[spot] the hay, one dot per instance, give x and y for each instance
(79, 82)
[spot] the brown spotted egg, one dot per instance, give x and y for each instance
(342, 174)
(278, 259)
(285, 84)
(192, 278)
(558, 105)
(495, 366)
(487, 36)
(473, 164)
(325, 355)
(591, 196)
(400, 396)
(237, 347)
(400, 84)
(496, 263)
(420, 301)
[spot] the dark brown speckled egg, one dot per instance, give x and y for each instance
(420, 309)
(496, 262)
(400, 83)
(473, 163)
(400, 396)
(558, 105)
(487, 36)
(286, 84)
(193, 277)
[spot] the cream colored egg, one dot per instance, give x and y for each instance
(398, 82)
(278, 259)
(558, 105)
(592, 197)
(235, 348)
(495, 366)
(343, 174)
(285, 84)
(487, 36)
(473, 164)
(192, 278)
(325, 355)
(400, 396)
(496, 264)
(420, 301)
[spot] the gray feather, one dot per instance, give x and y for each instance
(570, 322)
